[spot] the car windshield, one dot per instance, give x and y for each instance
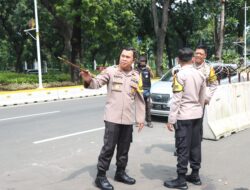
(168, 76)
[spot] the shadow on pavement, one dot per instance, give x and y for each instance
(160, 172)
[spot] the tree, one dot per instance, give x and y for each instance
(63, 25)
(93, 27)
(219, 32)
(160, 28)
(107, 27)
(88, 30)
(14, 16)
(186, 20)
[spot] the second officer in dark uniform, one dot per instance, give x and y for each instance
(186, 110)
(146, 75)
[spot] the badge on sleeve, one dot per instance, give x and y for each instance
(177, 87)
(140, 85)
(212, 76)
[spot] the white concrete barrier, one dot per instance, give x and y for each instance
(228, 111)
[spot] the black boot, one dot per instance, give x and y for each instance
(179, 183)
(194, 178)
(102, 182)
(121, 176)
(150, 125)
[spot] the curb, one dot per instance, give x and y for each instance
(44, 95)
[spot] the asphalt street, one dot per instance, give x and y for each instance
(55, 145)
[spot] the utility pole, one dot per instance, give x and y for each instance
(38, 47)
(245, 34)
(34, 26)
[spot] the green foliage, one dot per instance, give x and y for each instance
(10, 78)
(6, 58)
(106, 27)
(231, 57)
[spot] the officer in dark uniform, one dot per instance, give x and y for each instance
(146, 75)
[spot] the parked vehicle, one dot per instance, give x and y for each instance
(161, 91)
(33, 71)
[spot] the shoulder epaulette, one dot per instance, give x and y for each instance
(177, 87)
(212, 76)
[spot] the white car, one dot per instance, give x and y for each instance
(161, 91)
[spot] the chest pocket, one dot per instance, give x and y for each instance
(117, 83)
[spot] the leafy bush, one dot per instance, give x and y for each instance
(8, 78)
(56, 77)
(230, 57)
(20, 81)
(17, 78)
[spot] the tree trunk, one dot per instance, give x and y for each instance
(76, 48)
(93, 55)
(219, 42)
(160, 28)
(159, 52)
(18, 64)
(168, 50)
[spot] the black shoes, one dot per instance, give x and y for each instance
(176, 184)
(194, 179)
(150, 125)
(121, 176)
(103, 183)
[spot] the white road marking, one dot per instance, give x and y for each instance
(52, 101)
(69, 135)
(32, 115)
